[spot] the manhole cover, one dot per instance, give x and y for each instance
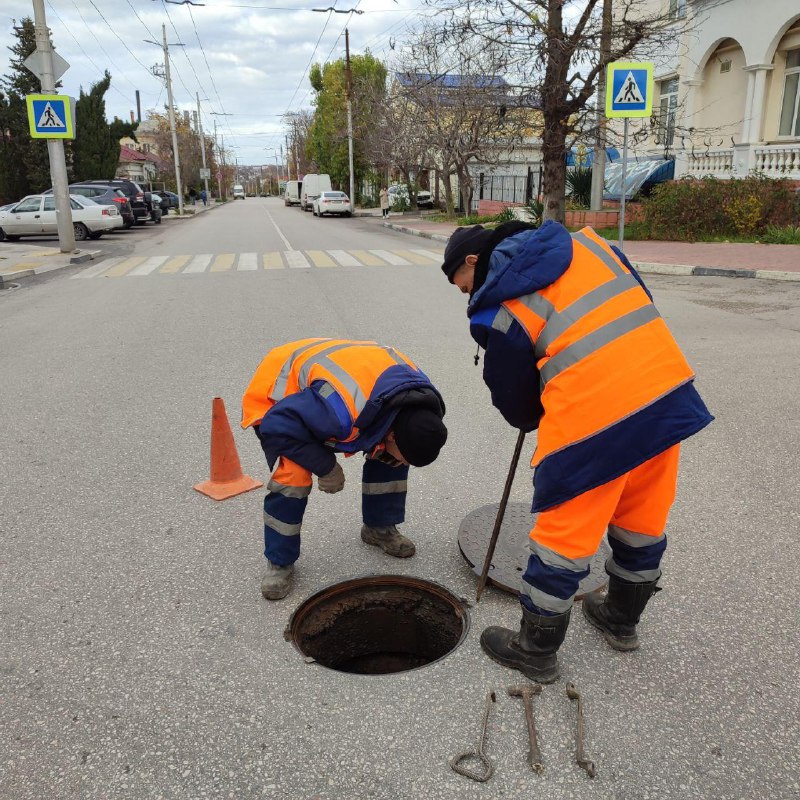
(512, 551)
(379, 624)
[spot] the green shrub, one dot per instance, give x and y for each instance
(689, 209)
(475, 219)
(534, 208)
(579, 186)
(506, 215)
(777, 235)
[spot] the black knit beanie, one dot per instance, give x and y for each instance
(464, 242)
(419, 434)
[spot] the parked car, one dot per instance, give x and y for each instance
(163, 202)
(35, 215)
(332, 203)
(172, 197)
(291, 195)
(313, 186)
(133, 192)
(105, 195)
(238, 191)
(424, 198)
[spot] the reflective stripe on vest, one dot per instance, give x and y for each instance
(602, 349)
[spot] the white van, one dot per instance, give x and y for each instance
(291, 196)
(313, 186)
(238, 191)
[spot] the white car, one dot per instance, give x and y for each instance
(238, 191)
(424, 198)
(332, 203)
(35, 215)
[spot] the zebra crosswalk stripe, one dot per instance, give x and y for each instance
(247, 262)
(296, 260)
(320, 258)
(273, 261)
(150, 265)
(175, 264)
(344, 258)
(223, 262)
(93, 272)
(365, 257)
(124, 267)
(394, 260)
(198, 263)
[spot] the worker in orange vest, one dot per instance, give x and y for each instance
(313, 398)
(575, 347)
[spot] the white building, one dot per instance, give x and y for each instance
(727, 96)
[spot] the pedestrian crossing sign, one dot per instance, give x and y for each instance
(629, 89)
(50, 116)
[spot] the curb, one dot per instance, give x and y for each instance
(83, 256)
(652, 268)
(437, 237)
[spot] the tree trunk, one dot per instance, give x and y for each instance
(448, 194)
(554, 174)
(465, 185)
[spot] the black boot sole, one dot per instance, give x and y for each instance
(545, 676)
(622, 644)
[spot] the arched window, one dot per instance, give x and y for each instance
(790, 106)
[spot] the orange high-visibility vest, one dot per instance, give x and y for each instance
(602, 349)
(350, 367)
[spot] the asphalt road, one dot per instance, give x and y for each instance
(137, 658)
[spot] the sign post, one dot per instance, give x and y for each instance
(629, 95)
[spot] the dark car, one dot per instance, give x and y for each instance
(163, 202)
(105, 195)
(132, 190)
(172, 197)
(153, 202)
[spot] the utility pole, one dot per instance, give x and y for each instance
(349, 115)
(288, 160)
(599, 155)
(202, 143)
(172, 122)
(55, 147)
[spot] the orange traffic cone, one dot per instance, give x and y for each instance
(227, 478)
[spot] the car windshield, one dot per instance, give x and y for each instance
(335, 195)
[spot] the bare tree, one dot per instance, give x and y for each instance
(553, 50)
(463, 107)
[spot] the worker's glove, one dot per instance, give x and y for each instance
(332, 482)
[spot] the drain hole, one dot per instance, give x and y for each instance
(379, 625)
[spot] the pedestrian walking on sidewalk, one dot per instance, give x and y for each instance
(204, 197)
(193, 195)
(575, 347)
(314, 398)
(384, 195)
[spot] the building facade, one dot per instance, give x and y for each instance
(727, 91)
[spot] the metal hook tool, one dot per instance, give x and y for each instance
(580, 756)
(478, 754)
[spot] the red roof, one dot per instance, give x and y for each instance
(129, 154)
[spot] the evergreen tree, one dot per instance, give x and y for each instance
(95, 151)
(24, 163)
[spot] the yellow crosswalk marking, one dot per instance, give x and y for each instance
(223, 262)
(320, 258)
(175, 264)
(124, 267)
(273, 260)
(367, 258)
(414, 258)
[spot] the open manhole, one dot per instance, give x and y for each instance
(379, 624)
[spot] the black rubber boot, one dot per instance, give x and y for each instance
(617, 613)
(533, 649)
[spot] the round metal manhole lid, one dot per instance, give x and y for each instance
(379, 624)
(512, 551)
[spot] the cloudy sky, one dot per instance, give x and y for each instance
(246, 58)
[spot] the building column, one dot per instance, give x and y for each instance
(756, 100)
(693, 85)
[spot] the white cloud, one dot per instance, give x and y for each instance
(257, 56)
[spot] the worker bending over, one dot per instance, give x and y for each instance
(313, 398)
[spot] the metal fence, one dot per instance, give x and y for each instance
(518, 188)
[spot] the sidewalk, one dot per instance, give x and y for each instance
(770, 261)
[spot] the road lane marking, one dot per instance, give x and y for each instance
(151, 265)
(273, 260)
(413, 257)
(320, 258)
(280, 233)
(93, 272)
(296, 260)
(431, 254)
(198, 263)
(396, 261)
(124, 267)
(365, 257)
(247, 262)
(344, 258)
(175, 264)
(223, 262)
